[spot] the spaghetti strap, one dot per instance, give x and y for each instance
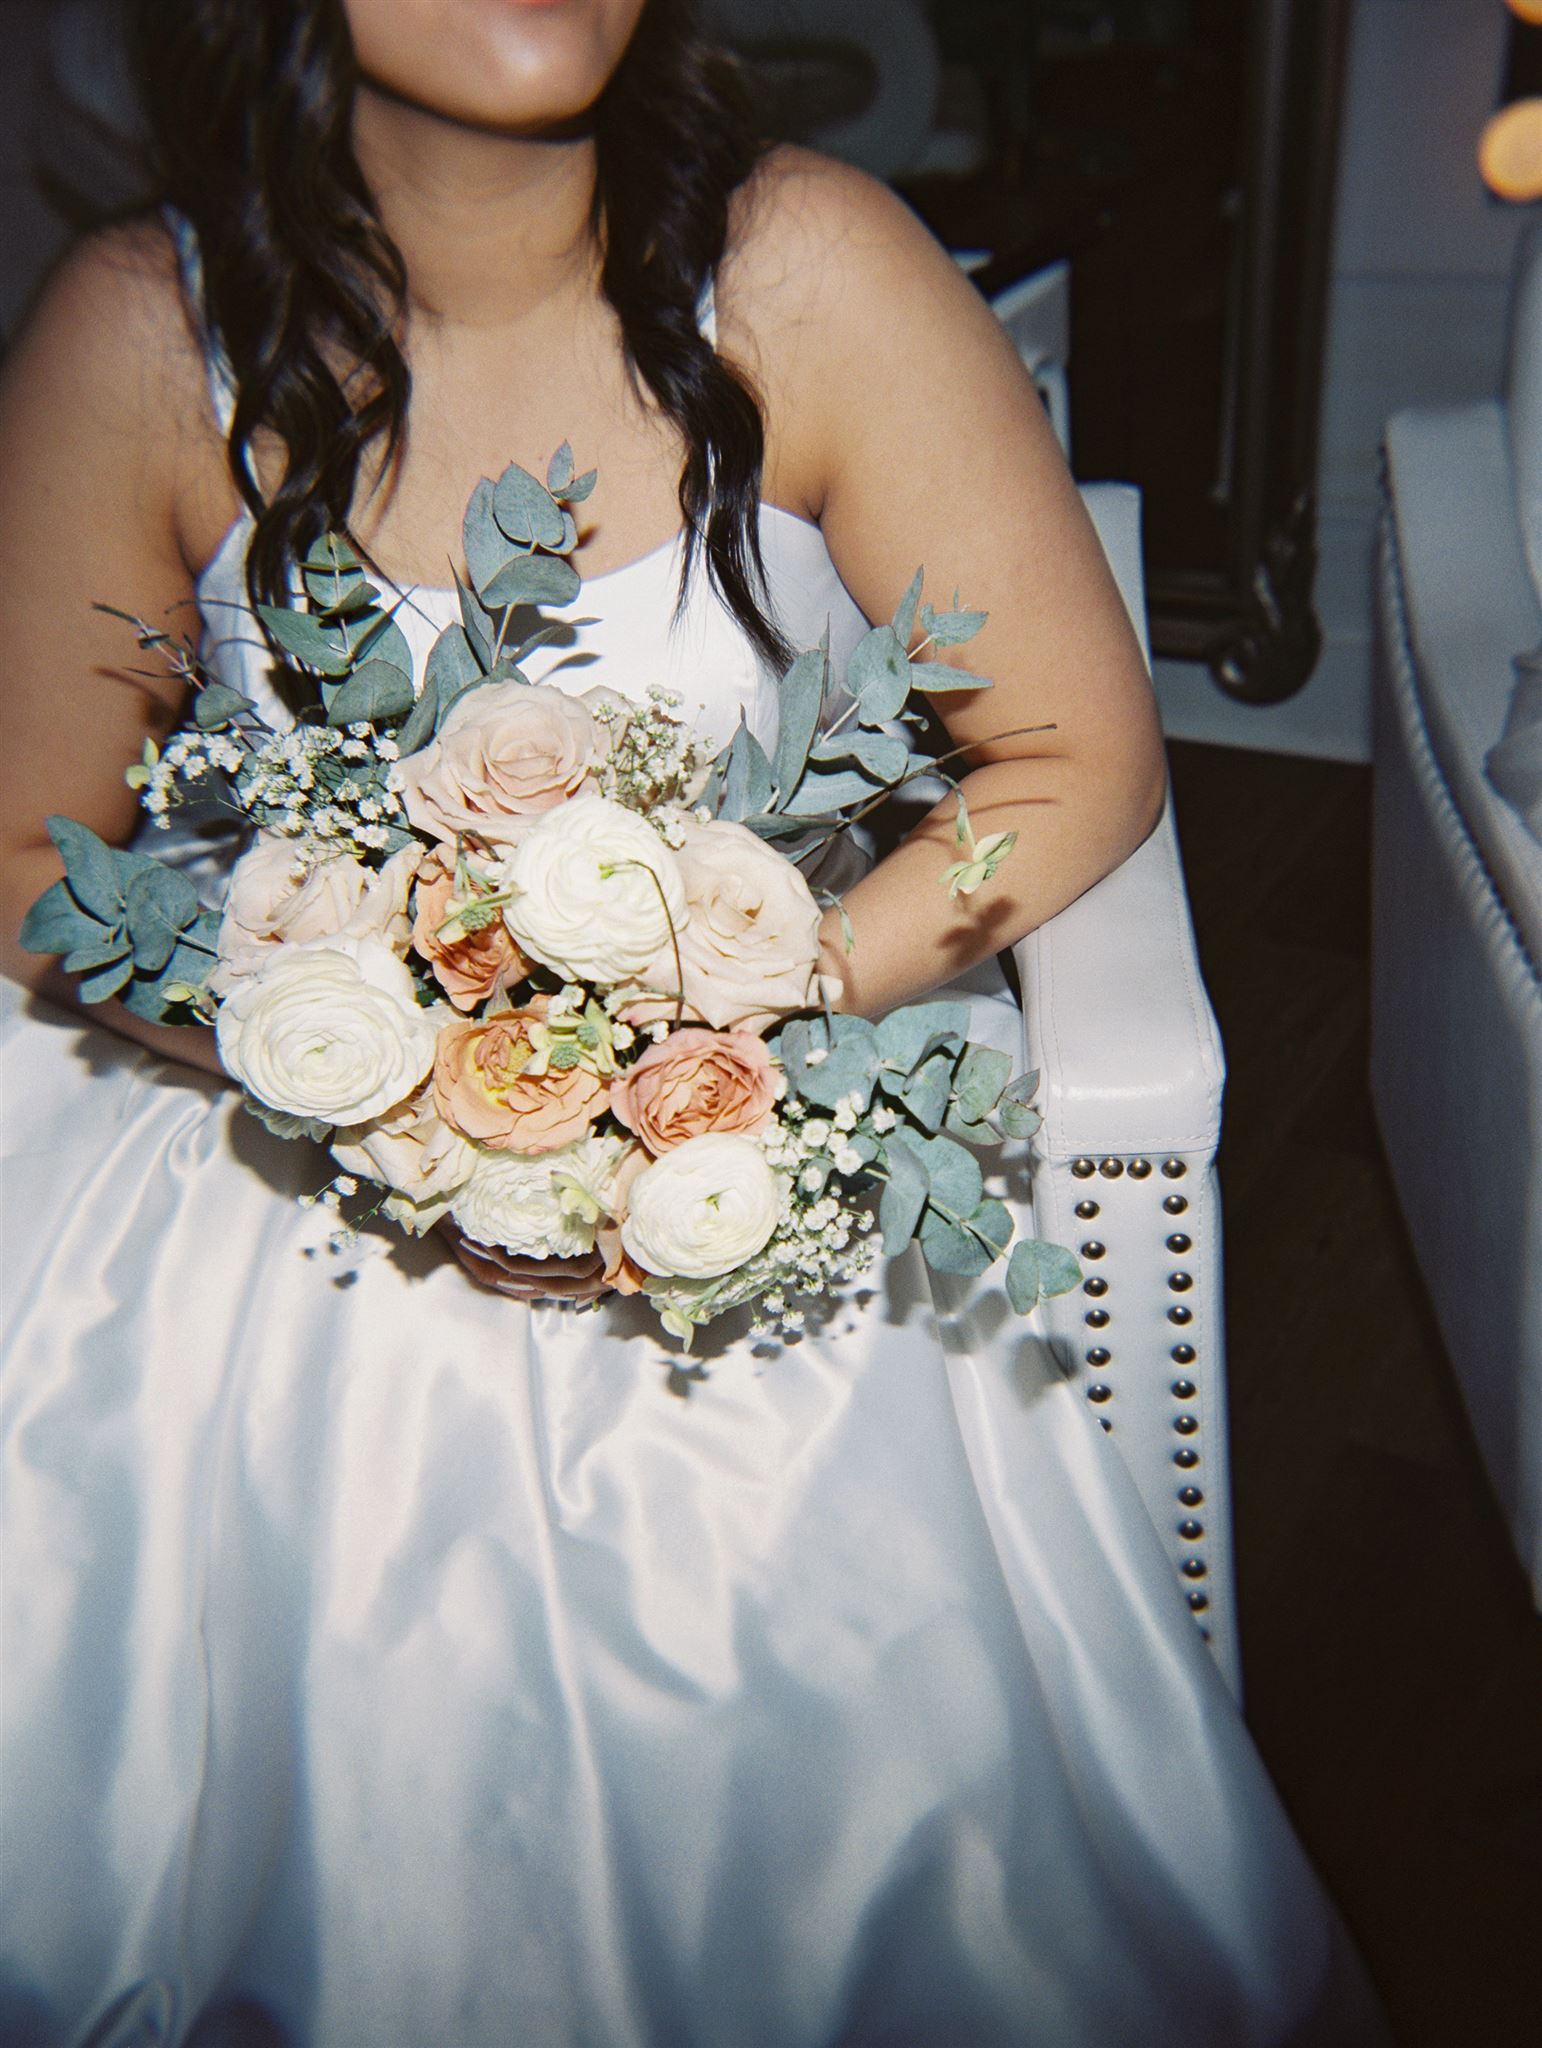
(706, 311)
(222, 385)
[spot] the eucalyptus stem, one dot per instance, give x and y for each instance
(882, 796)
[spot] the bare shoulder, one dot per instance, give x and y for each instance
(809, 234)
(106, 377)
(112, 316)
(835, 296)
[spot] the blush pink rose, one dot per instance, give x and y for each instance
(469, 966)
(696, 1081)
(484, 1090)
(507, 752)
(750, 947)
(281, 895)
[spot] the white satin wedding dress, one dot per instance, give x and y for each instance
(389, 1665)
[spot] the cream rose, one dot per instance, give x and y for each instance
(703, 1209)
(751, 945)
(282, 893)
(596, 892)
(506, 753)
(412, 1151)
(329, 1030)
(545, 1208)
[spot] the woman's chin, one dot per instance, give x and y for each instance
(519, 66)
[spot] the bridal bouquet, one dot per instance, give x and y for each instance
(534, 961)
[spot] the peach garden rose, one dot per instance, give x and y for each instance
(469, 966)
(693, 1082)
(492, 1086)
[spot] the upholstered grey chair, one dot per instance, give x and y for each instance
(1456, 937)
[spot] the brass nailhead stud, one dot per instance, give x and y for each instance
(1087, 1210)
(1083, 1169)
(1139, 1169)
(1175, 1204)
(1174, 1169)
(1180, 1242)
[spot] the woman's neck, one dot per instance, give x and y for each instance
(491, 227)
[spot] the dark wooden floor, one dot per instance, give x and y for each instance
(1392, 1662)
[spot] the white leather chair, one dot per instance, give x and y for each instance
(1120, 1028)
(1456, 938)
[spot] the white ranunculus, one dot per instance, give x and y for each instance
(703, 1209)
(596, 892)
(539, 1207)
(328, 1030)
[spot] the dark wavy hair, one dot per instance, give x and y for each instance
(249, 116)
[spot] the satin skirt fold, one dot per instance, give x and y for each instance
(386, 1663)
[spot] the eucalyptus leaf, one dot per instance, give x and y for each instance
(159, 903)
(569, 539)
(903, 1198)
(830, 792)
(95, 871)
(374, 693)
(334, 578)
(905, 617)
(380, 639)
(107, 947)
(774, 825)
(106, 981)
(57, 924)
(327, 649)
(993, 1219)
(906, 1036)
(559, 471)
(479, 629)
(484, 544)
(1037, 1270)
(554, 629)
(1018, 1120)
(526, 510)
(951, 629)
(801, 698)
(982, 1074)
(879, 754)
(746, 777)
(936, 677)
(580, 487)
(948, 1248)
(925, 1093)
(878, 675)
(952, 1172)
(216, 705)
(189, 967)
(417, 729)
(532, 579)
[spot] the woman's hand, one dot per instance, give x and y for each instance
(577, 1280)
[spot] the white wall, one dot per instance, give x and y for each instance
(1416, 317)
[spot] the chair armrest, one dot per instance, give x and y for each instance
(1118, 1022)
(1117, 1019)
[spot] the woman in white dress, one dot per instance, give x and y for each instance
(391, 1661)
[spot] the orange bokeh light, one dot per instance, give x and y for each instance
(1510, 150)
(1528, 10)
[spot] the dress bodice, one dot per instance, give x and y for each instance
(627, 628)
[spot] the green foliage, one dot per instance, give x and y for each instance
(215, 706)
(904, 1195)
(802, 698)
(525, 510)
(747, 781)
(125, 923)
(950, 629)
(1037, 1270)
(377, 693)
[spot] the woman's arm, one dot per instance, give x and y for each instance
(110, 482)
(901, 418)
